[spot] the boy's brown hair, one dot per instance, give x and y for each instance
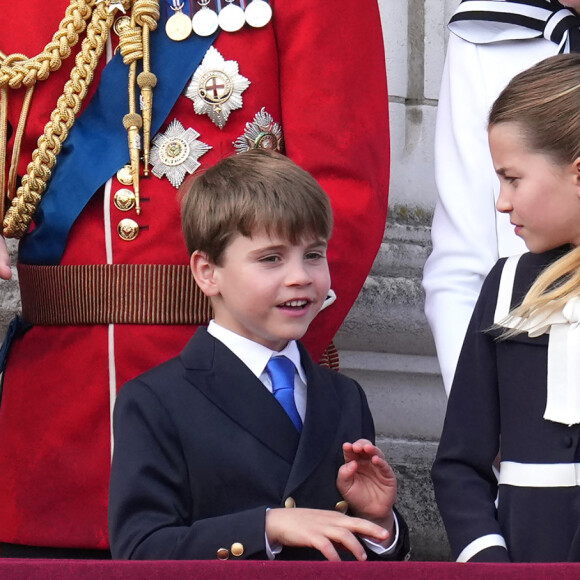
(255, 191)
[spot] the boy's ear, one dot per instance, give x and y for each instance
(203, 270)
(576, 169)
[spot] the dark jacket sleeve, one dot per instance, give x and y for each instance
(150, 511)
(465, 485)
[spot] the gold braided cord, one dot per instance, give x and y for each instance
(130, 44)
(134, 46)
(19, 216)
(3, 146)
(13, 175)
(131, 47)
(26, 71)
(8, 189)
(146, 15)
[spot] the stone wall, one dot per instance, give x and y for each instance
(385, 342)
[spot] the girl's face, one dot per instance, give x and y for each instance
(541, 197)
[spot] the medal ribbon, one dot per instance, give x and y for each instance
(98, 134)
(177, 5)
(487, 21)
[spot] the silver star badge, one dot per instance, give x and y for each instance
(262, 133)
(176, 152)
(115, 5)
(216, 87)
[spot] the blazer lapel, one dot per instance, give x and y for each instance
(320, 425)
(238, 393)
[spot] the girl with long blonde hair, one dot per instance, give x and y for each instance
(516, 391)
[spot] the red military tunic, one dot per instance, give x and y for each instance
(318, 69)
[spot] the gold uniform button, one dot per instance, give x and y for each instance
(124, 199)
(223, 554)
(128, 229)
(290, 503)
(237, 549)
(341, 506)
(125, 175)
(121, 23)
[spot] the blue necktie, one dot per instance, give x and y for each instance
(281, 371)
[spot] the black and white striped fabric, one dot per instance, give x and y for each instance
(486, 21)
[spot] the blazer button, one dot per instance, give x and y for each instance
(223, 554)
(290, 503)
(237, 549)
(568, 441)
(341, 506)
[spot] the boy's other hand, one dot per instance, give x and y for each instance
(5, 271)
(367, 483)
(320, 529)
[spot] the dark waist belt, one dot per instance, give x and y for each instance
(111, 294)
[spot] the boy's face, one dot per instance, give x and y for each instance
(268, 289)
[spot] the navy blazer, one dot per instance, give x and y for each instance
(202, 449)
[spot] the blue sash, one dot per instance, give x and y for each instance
(97, 144)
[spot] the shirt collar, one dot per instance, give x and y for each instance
(254, 355)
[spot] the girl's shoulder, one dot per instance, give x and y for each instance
(509, 281)
(529, 267)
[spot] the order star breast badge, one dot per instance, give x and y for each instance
(262, 133)
(216, 87)
(176, 152)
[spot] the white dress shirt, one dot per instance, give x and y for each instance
(256, 356)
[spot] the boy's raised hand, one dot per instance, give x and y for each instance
(367, 482)
(320, 529)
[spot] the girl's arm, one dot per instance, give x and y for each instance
(465, 485)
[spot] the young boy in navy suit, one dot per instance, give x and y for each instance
(242, 447)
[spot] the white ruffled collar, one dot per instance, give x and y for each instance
(563, 327)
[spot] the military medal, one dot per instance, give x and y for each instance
(216, 87)
(231, 17)
(205, 20)
(178, 25)
(258, 13)
(262, 133)
(176, 152)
